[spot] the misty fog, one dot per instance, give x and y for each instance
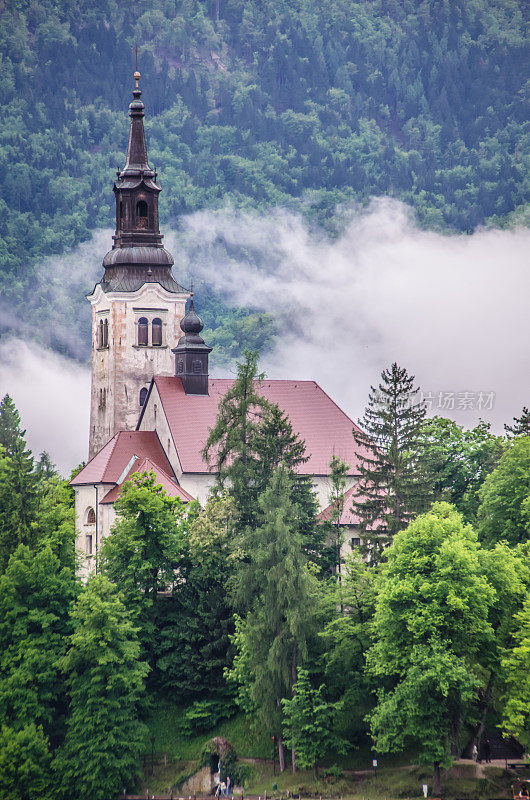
(453, 309)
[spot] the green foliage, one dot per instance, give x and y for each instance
(229, 449)
(309, 722)
(35, 594)
(347, 615)
(272, 639)
(195, 622)
(520, 425)
(19, 485)
(24, 763)
(106, 682)
(338, 473)
(305, 106)
(392, 487)
(203, 715)
(143, 551)
(430, 627)
(516, 668)
(457, 461)
(10, 431)
(504, 513)
(250, 439)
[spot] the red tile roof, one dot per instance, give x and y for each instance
(347, 517)
(169, 484)
(108, 465)
(318, 420)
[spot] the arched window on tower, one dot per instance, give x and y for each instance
(143, 331)
(103, 333)
(143, 396)
(141, 214)
(90, 516)
(156, 338)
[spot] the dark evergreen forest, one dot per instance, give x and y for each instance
(299, 104)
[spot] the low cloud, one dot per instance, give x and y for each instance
(453, 309)
(52, 394)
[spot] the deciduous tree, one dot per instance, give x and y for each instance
(430, 627)
(516, 668)
(504, 512)
(142, 553)
(309, 723)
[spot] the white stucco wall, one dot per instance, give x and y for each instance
(90, 496)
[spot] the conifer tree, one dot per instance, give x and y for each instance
(520, 425)
(10, 431)
(391, 488)
(106, 682)
(275, 443)
(337, 479)
(250, 439)
(274, 581)
(19, 485)
(230, 445)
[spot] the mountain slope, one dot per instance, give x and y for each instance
(301, 104)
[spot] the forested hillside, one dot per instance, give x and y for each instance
(301, 104)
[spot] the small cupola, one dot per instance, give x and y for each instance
(191, 354)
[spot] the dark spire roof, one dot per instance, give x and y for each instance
(191, 354)
(137, 150)
(137, 256)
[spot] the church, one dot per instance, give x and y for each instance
(152, 399)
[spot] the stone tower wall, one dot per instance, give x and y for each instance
(124, 367)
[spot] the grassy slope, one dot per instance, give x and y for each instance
(396, 778)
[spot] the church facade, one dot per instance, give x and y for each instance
(152, 399)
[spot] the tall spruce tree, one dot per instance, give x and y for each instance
(275, 443)
(337, 479)
(106, 683)
(19, 485)
(10, 431)
(229, 449)
(275, 583)
(520, 425)
(391, 488)
(250, 439)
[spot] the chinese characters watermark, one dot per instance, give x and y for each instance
(462, 401)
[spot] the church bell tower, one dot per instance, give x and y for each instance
(137, 306)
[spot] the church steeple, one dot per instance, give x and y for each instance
(136, 163)
(137, 255)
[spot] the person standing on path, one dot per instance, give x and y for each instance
(487, 751)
